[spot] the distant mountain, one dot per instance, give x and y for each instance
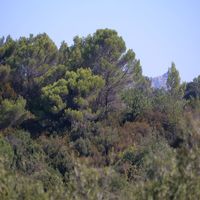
(160, 81)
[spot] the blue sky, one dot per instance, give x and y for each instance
(158, 31)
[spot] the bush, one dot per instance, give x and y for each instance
(13, 112)
(57, 154)
(83, 147)
(6, 153)
(28, 155)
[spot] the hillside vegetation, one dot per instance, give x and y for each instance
(83, 122)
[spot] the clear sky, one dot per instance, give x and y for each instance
(159, 31)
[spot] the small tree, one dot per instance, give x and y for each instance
(173, 81)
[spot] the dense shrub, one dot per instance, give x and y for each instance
(28, 155)
(58, 155)
(82, 122)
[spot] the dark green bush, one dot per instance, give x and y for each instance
(28, 155)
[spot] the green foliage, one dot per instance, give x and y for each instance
(151, 161)
(13, 112)
(31, 58)
(63, 54)
(105, 54)
(33, 52)
(174, 110)
(82, 122)
(53, 93)
(180, 183)
(52, 75)
(58, 155)
(6, 153)
(137, 103)
(73, 94)
(17, 187)
(173, 82)
(6, 50)
(4, 73)
(82, 146)
(28, 156)
(193, 89)
(6, 91)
